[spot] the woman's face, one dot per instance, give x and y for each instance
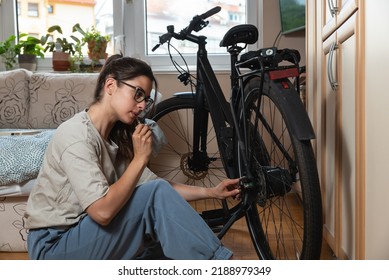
(123, 98)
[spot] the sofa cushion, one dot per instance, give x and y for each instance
(54, 98)
(21, 156)
(14, 98)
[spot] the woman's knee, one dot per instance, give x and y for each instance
(164, 188)
(161, 189)
(158, 185)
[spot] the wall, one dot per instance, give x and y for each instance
(376, 129)
(168, 84)
(272, 26)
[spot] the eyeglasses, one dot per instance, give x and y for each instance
(140, 94)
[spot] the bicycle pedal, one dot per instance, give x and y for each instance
(215, 213)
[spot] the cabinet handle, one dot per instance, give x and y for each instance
(330, 71)
(333, 9)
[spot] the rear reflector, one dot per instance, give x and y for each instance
(283, 73)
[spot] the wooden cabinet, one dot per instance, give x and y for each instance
(329, 13)
(342, 105)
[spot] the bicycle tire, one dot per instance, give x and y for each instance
(285, 221)
(175, 117)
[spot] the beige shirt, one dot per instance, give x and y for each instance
(78, 168)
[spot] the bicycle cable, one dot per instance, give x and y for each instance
(179, 68)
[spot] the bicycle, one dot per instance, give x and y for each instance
(262, 135)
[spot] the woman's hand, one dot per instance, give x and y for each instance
(106, 208)
(226, 188)
(142, 142)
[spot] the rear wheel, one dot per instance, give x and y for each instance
(285, 220)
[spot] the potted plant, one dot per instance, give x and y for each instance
(28, 49)
(97, 43)
(61, 48)
(7, 52)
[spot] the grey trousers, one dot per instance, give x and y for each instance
(155, 223)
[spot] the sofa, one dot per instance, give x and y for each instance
(32, 104)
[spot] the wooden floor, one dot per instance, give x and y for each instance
(237, 239)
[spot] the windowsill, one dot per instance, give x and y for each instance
(168, 70)
(44, 65)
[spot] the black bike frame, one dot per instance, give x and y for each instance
(209, 92)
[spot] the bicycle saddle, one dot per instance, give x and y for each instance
(243, 33)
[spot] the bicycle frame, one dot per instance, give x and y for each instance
(209, 92)
(224, 119)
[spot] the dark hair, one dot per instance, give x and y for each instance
(122, 68)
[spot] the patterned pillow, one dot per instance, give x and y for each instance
(14, 98)
(54, 98)
(21, 156)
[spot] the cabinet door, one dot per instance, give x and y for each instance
(336, 124)
(335, 13)
(328, 153)
(346, 38)
(346, 10)
(338, 148)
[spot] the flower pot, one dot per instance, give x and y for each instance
(97, 50)
(61, 61)
(27, 61)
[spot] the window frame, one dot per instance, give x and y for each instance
(162, 63)
(127, 17)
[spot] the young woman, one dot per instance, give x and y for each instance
(96, 199)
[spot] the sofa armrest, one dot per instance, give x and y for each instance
(14, 98)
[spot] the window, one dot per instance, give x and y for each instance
(87, 13)
(129, 23)
(157, 15)
(50, 9)
(33, 9)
